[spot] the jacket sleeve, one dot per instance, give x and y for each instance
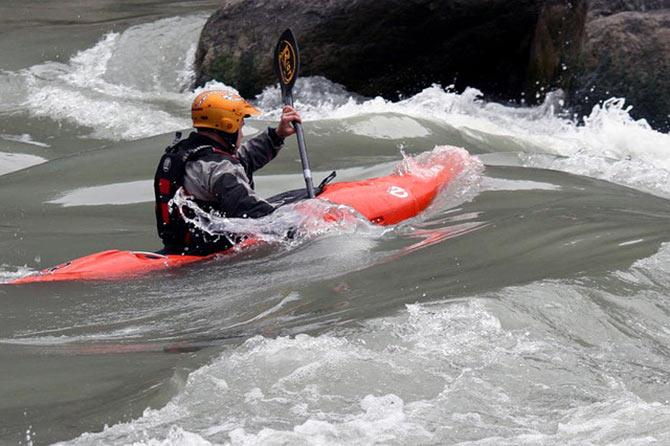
(236, 197)
(259, 150)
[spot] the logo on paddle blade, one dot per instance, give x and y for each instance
(286, 61)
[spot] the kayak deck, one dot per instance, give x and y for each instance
(383, 200)
(391, 199)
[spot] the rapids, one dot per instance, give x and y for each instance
(528, 305)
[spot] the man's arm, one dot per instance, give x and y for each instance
(226, 183)
(236, 197)
(260, 150)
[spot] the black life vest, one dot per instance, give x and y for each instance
(179, 236)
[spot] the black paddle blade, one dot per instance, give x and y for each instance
(287, 61)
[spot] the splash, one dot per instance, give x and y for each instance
(548, 128)
(136, 82)
(289, 224)
(9, 273)
(312, 218)
(608, 144)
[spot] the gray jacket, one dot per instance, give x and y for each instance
(226, 182)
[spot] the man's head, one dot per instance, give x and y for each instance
(223, 112)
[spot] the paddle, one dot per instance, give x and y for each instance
(286, 65)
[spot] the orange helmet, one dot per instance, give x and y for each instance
(221, 110)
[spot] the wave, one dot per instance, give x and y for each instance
(129, 85)
(514, 366)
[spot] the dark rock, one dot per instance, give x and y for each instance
(600, 8)
(556, 46)
(626, 54)
(509, 49)
(393, 47)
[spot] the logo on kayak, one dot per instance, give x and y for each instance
(287, 62)
(166, 165)
(398, 192)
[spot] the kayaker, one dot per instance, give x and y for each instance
(216, 170)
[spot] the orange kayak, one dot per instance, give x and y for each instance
(384, 201)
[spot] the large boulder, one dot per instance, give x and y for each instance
(509, 49)
(396, 47)
(626, 53)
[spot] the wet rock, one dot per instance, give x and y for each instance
(392, 47)
(626, 53)
(600, 8)
(509, 49)
(556, 47)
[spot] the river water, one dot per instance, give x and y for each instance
(529, 305)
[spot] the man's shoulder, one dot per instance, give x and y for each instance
(213, 164)
(203, 148)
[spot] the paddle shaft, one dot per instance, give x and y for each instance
(306, 171)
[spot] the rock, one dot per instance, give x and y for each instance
(626, 54)
(393, 47)
(556, 47)
(509, 49)
(600, 8)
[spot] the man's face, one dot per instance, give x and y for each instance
(239, 135)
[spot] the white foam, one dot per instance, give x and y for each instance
(608, 144)
(497, 184)
(9, 273)
(24, 138)
(109, 194)
(108, 119)
(437, 373)
(11, 162)
(128, 86)
(639, 173)
(388, 127)
(383, 420)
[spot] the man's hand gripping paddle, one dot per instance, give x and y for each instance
(286, 65)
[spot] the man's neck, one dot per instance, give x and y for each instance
(214, 136)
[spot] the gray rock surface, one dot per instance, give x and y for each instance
(509, 49)
(556, 47)
(626, 53)
(386, 47)
(599, 8)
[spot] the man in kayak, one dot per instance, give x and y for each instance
(216, 170)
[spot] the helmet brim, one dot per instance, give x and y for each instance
(249, 110)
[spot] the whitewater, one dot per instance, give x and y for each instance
(529, 305)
